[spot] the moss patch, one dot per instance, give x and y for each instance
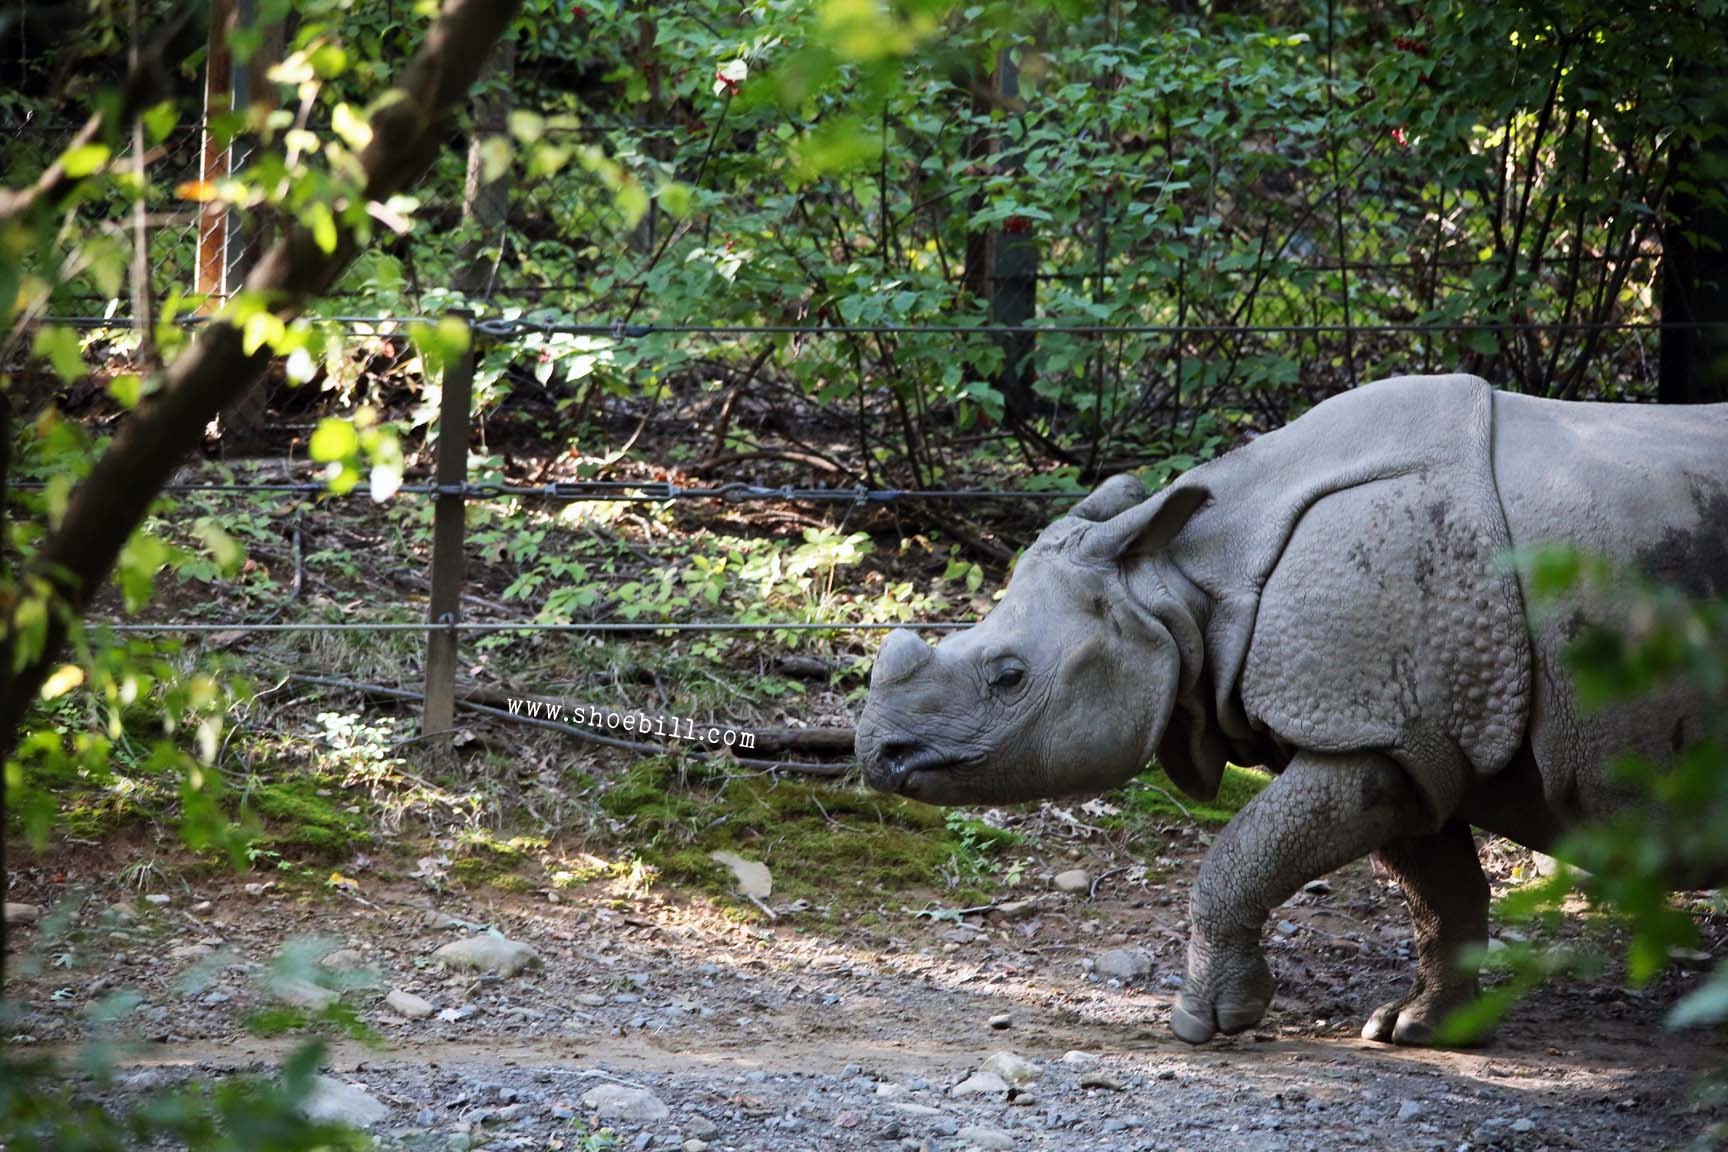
(830, 845)
(1152, 796)
(295, 815)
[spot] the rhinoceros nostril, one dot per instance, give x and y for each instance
(898, 755)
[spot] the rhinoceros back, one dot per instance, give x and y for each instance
(1645, 486)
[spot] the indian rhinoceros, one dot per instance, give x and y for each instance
(1332, 601)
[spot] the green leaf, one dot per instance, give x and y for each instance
(63, 351)
(322, 222)
(495, 153)
(84, 159)
(334, 440)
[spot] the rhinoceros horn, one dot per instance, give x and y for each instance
(901, 655)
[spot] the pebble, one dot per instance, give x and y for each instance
(754, 879)
(981, 1137)
(701, 1127)
(490, 954)
(1523, 1124)
(1124, 964)
(1318, 888)
(591, 1000)
(158, 899)
(408, 1005)
(616, 1102)
(1001, 1021)
(333, 1101)
(695, 1145)
(17, 913)
(1408, 1111)
(1080, 1059)
(1075, 880)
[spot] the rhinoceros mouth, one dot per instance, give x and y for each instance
(914, 776)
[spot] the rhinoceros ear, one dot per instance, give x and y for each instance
(1111, 498)
(1147, 527)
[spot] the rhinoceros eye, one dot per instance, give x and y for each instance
(1007, 675)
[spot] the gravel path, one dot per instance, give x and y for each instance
(674, 1025)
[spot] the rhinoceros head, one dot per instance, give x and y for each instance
(1068, 684)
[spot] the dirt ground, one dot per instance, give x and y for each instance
(813, 1032)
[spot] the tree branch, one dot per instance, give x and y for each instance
(407, 132)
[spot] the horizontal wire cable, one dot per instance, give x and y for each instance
(201, 626)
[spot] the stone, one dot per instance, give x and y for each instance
(19, 913)
(492, 955)
(343, 960)
(1523, 1124)
(158, 899)
(1015, 1070)
(1080, 1059)
(1318, 888)
(591, 1000)
(617, 1102)
(981, 1137)
(695, 1145)
(754, 879)
(1409, 1110)
(1074, 880)
(980, 1083)
(1124, 964)
(1001, 1021)
(408, 1005)
(333, 1101)
(302, 993)
(701, 1127)
(1101, 1080)
(189, 951)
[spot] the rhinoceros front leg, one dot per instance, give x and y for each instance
(1322, 812)
(1442, 880)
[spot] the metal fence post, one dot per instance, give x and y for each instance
(449, 514)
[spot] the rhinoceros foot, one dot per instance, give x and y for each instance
(1414, 1019)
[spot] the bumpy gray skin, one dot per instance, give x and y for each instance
(1330, 601)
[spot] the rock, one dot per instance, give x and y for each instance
(1286, 928)
(158, 898)
(695, 1145)
(1080, 1059)
(457, 1015)
(701, 1127)
(17, 913)
(1001, 1021)
(1124, 964)
(1408, 1111)
(591, 1000)
(489, 954)
(343, 960)
(1523, 1124)
(1013, 910)
(203, 907)
(754, 879)
(616, 1102)
(408, 1005)
(981, 1137)
(1076, 880)
(333, 1101)
(1101, 1080)
(1014, 1069)
(980, 1083)
(189, 951)
(302, 993)
(1318, 888)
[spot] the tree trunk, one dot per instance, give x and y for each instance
(1694, 288)
(486, 203)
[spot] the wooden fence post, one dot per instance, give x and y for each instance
(448, 561)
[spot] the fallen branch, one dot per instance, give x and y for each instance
(803, 768)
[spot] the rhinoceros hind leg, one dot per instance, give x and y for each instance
(1323, 811)
(1448, 896)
